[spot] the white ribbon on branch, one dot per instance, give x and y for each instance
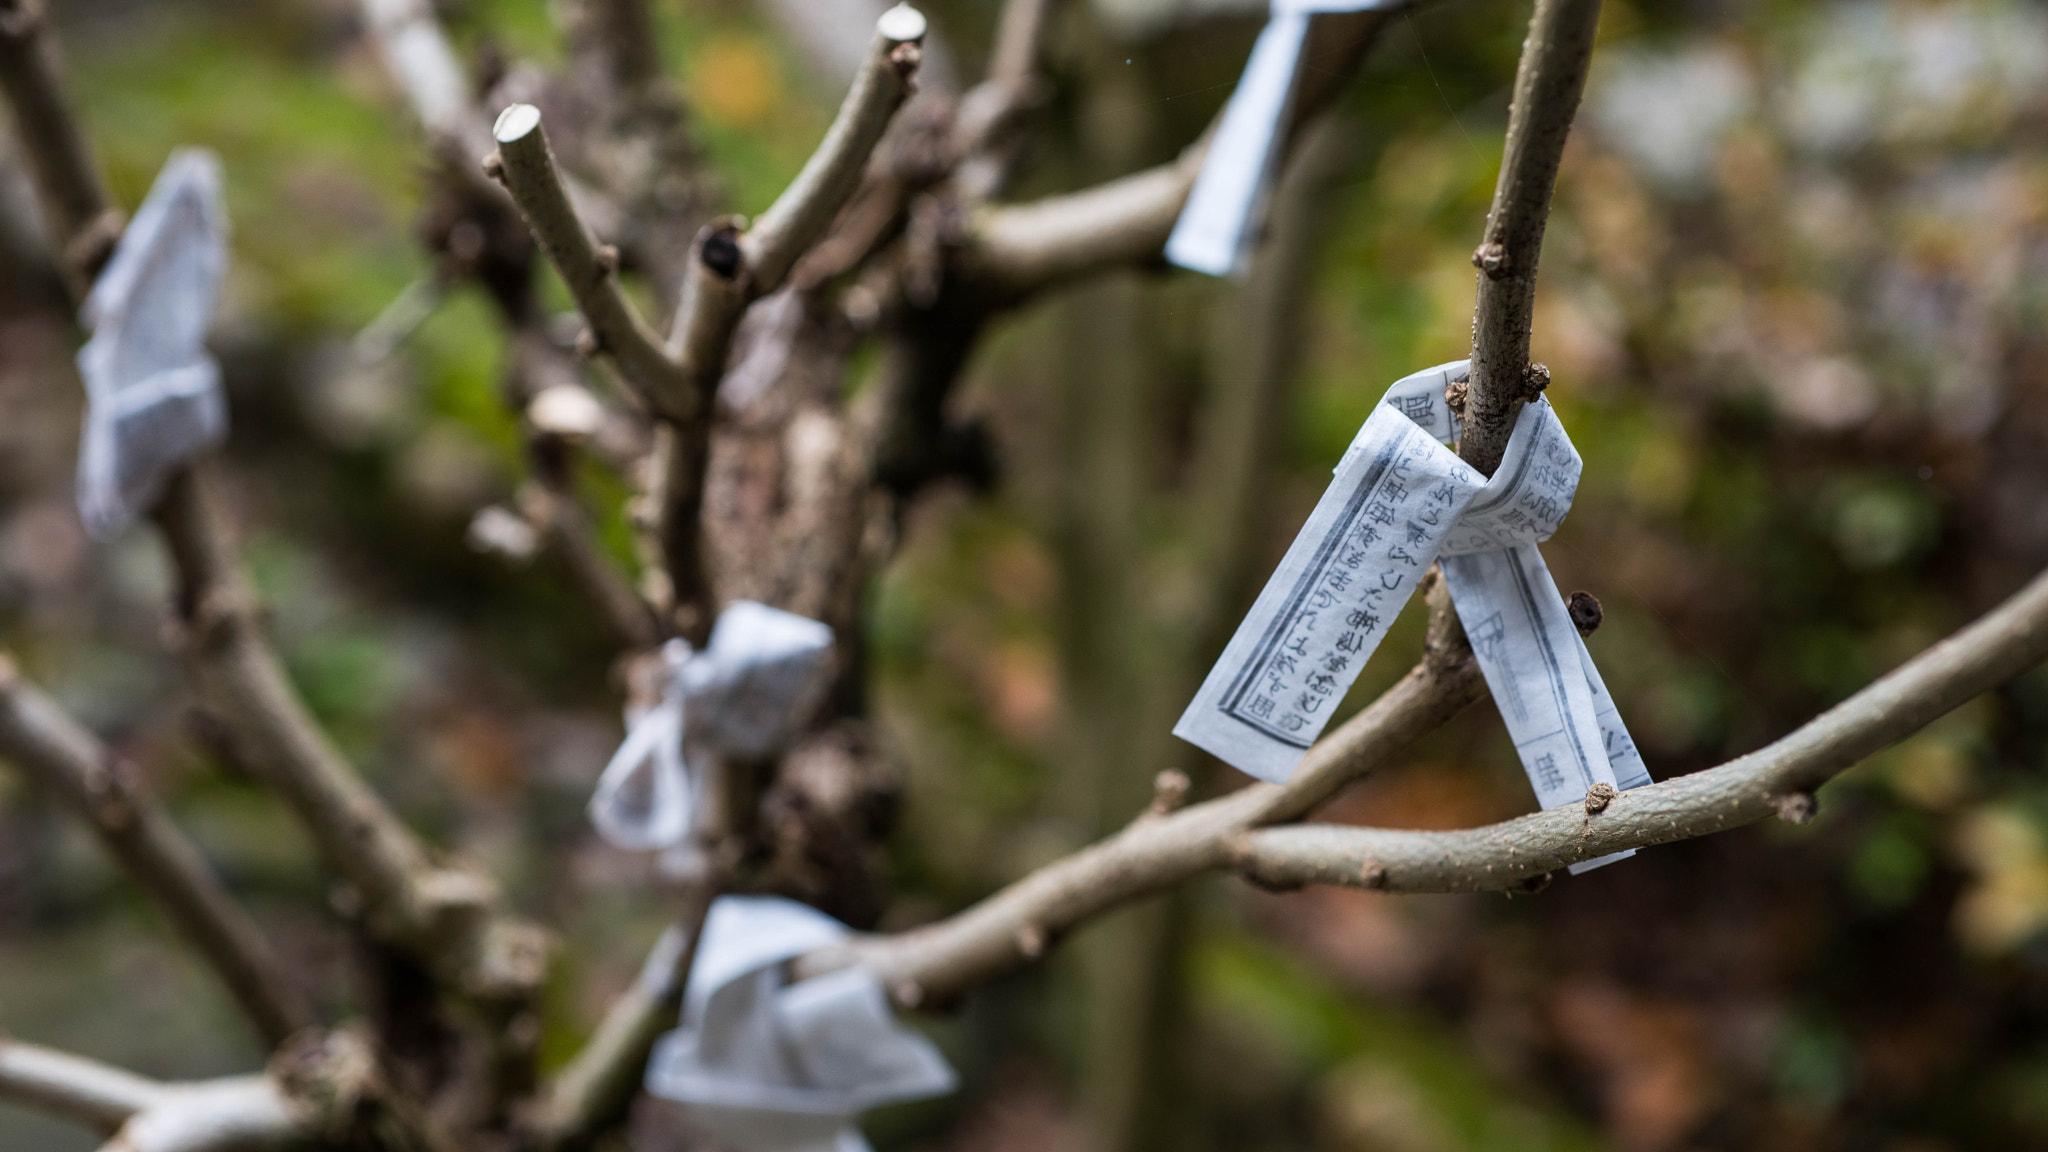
(766, 1065)
(742, 696)
(1216, 229)
(153, 396)
(1401, 501)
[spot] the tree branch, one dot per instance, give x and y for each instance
(1548, 84)
(1778, 778)
(593, 1091)
(231, 1114)
(97, 1095)
(1020, 249)
(940, 960)
(37, 736)
(526, 165)
(828, 179)
(68, 186)
(447, 917)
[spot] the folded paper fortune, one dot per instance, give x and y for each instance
(767, 1065)
(1216, 228)
(153, 396)
(742, 696)
(1399, 502)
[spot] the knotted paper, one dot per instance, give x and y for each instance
(1215, 231)
(767, 1065)
(742, 696)
(153, 396)
(1401, 501)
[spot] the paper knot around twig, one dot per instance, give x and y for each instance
(742, 697)
(768, 1065)
(153, 395)
(1400, 501)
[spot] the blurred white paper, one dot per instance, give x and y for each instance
(153, 397)
(1216, 228)
(767, 1065)
(742, 696)
(1400, 501)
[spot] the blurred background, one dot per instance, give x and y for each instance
(1795, 304)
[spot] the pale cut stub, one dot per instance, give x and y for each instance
(153, 395)
(743, 696)
(1219, 223)
(1400, 500)
(767, 1065)
(901, 24)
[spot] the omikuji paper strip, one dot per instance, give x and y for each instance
(741, 696)
(1215, 228)
(767, 1065)
(1400, 501)
(153, 396)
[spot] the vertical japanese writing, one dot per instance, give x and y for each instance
(1363, 570)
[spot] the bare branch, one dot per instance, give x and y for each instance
(445, 916)
(939, 960)
(1019, 249)
(592, 1092)
(1013, 926)
(236, 1114)
(527, 166)
(1778, 777)
(62, 756)
(829, 178)
(67, 183)
(1548, 83)
(97, 1095)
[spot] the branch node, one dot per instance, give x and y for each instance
(1031, 941)
(608, 259)
(1598, 797)
(1534, 884)
(1797, 807)
(1169, 792)
(1456, 395)
(720, 252)
(1585, 611)
(494, 166)
(1535, 380)
(1372, 874)
(1492, 259)
(907, 993)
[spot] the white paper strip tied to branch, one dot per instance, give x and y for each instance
(153, 397)
(1401, 500)
(1216, 228)
(742, 697)
(770, 1066)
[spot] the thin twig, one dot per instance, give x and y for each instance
(447, 917)
(1778, 778)
(1018, 250)
(67, 183)
(1012, 926)
(38, 737)
(97, 1095)
(828, 179)
(526, 165)
(592, 1092)
(1548, 83)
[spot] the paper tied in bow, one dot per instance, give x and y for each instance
(1216, 228)
(1401, 501)
(742, 696)
(153, 396)
(767, 1065)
